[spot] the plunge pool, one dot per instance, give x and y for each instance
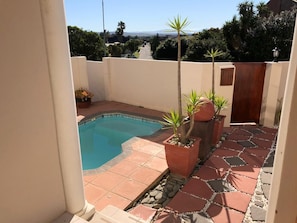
(102, 136)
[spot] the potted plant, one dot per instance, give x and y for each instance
(206, 111)
(182, 150)
(220, 104)
(83, 98)
(203, 126)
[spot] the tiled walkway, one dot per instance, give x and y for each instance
(220, 191)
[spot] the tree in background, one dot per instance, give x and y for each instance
(155, 42)
(236, 31)
(201, 42)
(132, 45)
(85, 43)
(273, 31)
(120, 31)
(249, 37)
(115, 50)
(263, 10)
(253, 36)
(167, 49)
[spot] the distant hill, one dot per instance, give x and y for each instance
(161, 33)
(150, 33)
(142, 35)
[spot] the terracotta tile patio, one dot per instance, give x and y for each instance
(220, 191)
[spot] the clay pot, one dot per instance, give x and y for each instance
(180, 160)
(83, 104)
(218, 129)
(206, 111)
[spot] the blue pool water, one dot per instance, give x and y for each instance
(101, 138)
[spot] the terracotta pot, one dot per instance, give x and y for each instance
(204, 130)
(180, 160)
(206, 111)
(83, 104)
(218, 129)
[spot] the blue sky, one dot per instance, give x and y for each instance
(150, 15)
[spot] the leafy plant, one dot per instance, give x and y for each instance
(83, 94)
(172, 120)
(219, 102)
(177, 122)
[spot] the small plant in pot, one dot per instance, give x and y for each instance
(83, 98)
(181, 149)
(220, 104)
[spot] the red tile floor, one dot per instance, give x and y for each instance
(123, 181)
(220, 191)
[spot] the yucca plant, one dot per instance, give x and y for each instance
(178, 25)
(172, 120)
(219, 102)
(177, 122)
(213, 54)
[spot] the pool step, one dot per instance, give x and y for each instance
(112, 214)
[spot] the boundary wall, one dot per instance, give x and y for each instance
(153, 83)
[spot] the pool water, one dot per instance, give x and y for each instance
(101, 138)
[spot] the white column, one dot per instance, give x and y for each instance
(283, 197)
(56, 38)
(270, 93)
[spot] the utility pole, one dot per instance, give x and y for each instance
(104, 31)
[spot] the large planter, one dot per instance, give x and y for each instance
(180, 160)
(83, 103)
(206, 111)
(204, 130)
(218, 129)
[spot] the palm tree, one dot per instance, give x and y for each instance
(213, 54)
(120, 30)
(178, 25)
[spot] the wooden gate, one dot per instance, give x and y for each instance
(248, 90)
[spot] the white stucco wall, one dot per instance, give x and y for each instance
(149, 83)
(142, 83)
(283, 197)
(40, 163)
(273, 90)
(153, 83)
(79, 71)
(96, 80)
(31, 180)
